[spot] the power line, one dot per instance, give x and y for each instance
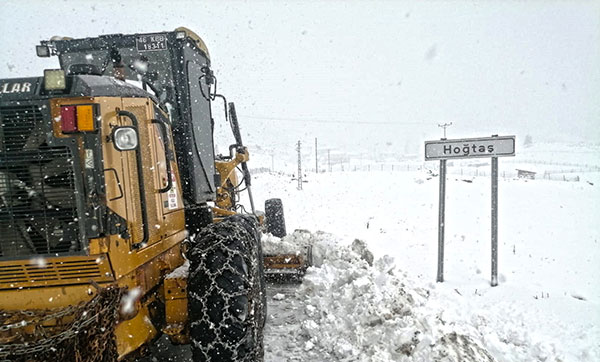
(304, 120)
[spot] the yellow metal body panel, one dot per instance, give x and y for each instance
(64, 281)
(176, 312)
(44, 298)
(136, 332)
(144, 266)
(36, 272)
(199, 42)
(222, 213)
(225, 191)
(226, 168)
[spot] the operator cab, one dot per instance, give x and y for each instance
(175, 68)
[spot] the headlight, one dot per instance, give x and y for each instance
(54, 79)
(42, 51)
(125, 138)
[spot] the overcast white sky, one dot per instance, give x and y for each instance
(490, 68)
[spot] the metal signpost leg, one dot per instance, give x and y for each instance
(494, 221)
(440, 271)
(443, 150)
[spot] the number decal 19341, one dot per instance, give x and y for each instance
(145, 43)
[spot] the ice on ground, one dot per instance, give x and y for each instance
(279, 296)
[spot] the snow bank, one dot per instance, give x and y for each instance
(292, 244)
(357, 312)
(353, 308)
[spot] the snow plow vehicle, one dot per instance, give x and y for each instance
(118, 223)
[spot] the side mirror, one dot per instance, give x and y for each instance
(125, 138)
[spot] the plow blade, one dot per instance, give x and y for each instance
(287, 267)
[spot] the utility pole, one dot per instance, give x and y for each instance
(272, 161)
(444, 126)
(329, 159)
(316, 157)
(299, 166)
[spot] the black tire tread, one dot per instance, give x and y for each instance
(225, 302)
(274, 217)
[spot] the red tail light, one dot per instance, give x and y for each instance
(68, 119)
(78, 118)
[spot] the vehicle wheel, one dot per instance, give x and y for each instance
(225, 306)
(197, 218)
(251, 225)
(274, 217)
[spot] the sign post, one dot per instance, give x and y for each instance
(441, 216)
(443, 150)
(494, 221)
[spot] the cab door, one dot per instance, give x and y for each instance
(167, 180)
(142, 184)
(142, 168)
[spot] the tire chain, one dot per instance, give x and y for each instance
(226, 234)
(74, 342)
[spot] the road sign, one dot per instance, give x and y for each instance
(470, 148)
(444, 149)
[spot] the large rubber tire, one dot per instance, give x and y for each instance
(225, 305)
(251, 225)
(197, 218)
(274, 217)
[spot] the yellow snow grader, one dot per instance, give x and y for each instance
(118, 223)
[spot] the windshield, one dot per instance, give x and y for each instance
(154, 65)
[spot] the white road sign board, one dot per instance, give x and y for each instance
(470, 148)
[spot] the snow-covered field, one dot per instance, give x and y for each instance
(370, 81)
(546, 308)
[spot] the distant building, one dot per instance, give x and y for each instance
(526, 174)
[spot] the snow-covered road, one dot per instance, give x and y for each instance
(546, 308)
(285, 316)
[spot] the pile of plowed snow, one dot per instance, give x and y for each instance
(354, 308)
